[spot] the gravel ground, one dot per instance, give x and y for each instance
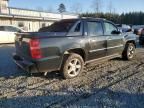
(112, 84)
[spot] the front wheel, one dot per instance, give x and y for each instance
(72, 66)
(129, 51)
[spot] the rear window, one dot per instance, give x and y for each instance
(60, 26)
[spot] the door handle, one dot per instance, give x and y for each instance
(109, 38)
(93, 40)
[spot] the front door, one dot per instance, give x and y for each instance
(114, 40)
(97, 40)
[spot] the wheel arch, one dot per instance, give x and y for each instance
(79, 51)
(131, 41)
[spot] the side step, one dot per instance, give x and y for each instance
(100, 60)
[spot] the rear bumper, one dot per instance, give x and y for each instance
(24, 64)
(43, 65)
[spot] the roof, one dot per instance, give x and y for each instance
(86, 18)
(91, 18)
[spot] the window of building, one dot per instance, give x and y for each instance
(95, 28)
(3, 6)
(43, 24)
(2, 28)
(21, 24)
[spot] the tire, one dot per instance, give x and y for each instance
(129, 51)
(72, 66)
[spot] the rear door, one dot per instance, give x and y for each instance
(114, 40)
(97, 40)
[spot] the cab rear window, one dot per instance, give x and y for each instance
(60, 26)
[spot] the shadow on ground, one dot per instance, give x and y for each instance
(7, 66)
(8, 69)
(103, 99)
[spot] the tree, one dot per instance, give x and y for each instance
(110, 7)
(97, 5)
(62, 8)
(132, 18)
(76, 8)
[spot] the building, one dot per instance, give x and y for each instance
(30, 20)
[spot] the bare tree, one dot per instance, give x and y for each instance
(111, 8)
(77, 8)
(97, 5)
(114, 10)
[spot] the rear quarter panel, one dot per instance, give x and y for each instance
(57, 46)
(54, 48)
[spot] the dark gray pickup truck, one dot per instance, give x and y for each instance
(69, 44)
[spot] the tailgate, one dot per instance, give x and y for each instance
(22, 45)
(22, 42)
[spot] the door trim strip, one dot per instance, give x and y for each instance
(105, 48)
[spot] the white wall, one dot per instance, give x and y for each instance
(22, 12)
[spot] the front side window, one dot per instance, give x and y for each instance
(95, 28)
(109, 28)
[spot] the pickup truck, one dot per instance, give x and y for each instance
(67, 45)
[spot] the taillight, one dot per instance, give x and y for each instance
(35, 49)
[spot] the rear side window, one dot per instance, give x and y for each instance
(95, 28)
(2, 28)
(76, 30)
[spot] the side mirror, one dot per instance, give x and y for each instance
(136, 31)
(19, 31)
(129, 30)
(116, 32)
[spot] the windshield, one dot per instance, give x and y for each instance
(60, 26)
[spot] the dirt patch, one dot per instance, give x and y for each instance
(114, 83)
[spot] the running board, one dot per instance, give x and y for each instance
(99, 60)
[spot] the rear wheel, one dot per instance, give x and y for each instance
(129, 51)
(72, 66)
